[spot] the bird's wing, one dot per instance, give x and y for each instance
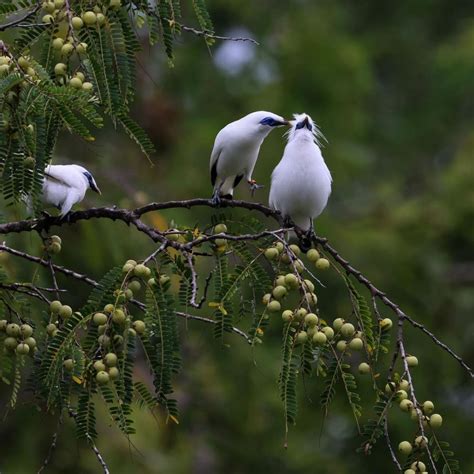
(216, 151)
(62, 175)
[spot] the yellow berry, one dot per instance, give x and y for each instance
(322, 264)
(90, 18)
(364, 368)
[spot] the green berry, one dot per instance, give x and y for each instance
(295, 249)
(356, 344)
(54, 248)
(404, 385)
(51, 328)
(22, 348)
(405, 447)
(347, 330)
(118, 316)
(114, 373)
(127, 268)
(436, 420)
(301, 337)
(386, 324)
(390, 388)
(100, 19)
(76, 83)
(111, 359)
(58, 43)
(60, 69)
(3, 324)
(428, 407)
(139, 326)
(414, 414)
(291, 280)
(104, 340)
(300, 314)
(409, 471)
(142, 271)
(337, 324)
(67, 49)
(364, 368)
(266, 298)
(280, 281)
(89, 18)
(102, 377)
(285, 258)
(164, 279)
(329, 331)
(313, 255)
(406, 405)
(412, 361)
(26, 330)
(68, 364)
(320, 338)
(13, 330)
(77, 23)
(299, 266)
(87, 86)
(279, 292)
(418, 466)
(341, 346)
(220, 229)
(271, 253)
(401, 395)
(31, 341)
(99, 365)
(287, 315)
(65, 311)
(311, 319)
(311, 298)
(49, 19)
(421, 441)
(115, 3)
(220, 242)
(55, 306)
(99, 319)
(109, 308)
(10, 343)
(309, 285)
(274, 306)
(322, 264)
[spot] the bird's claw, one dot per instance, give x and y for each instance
(254, 186)
(216, 199)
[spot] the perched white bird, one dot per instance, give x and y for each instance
(66, 185)
(236, 149)
(301, 182)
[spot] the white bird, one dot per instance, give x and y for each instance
(301, 182)
(66, 185)
(236, 150)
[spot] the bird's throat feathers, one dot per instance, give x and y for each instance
(303, 127)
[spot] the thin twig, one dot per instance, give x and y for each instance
(18, 21)
(389, 444)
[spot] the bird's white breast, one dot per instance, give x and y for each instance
(301, 183)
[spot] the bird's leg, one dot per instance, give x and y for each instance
(254, 186)
(45, 214)
(216, 198)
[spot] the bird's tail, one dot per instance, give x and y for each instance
(227, 188)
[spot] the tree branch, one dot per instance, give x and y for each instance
(19, 20)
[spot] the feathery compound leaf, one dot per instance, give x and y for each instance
(443, 454)
(364, 315)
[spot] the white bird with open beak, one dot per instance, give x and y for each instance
(66, 185)
(236, 150)
(301, 182)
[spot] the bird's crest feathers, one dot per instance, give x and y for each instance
(314, 129)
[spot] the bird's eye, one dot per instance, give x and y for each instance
(271, 122)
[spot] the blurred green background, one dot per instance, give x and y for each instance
(391, 85)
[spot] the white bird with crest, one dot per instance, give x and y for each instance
(301, 182)
(236, 150)
(66, 185)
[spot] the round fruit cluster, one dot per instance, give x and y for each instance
(283, 286)
(24, 66)
(106, 368)
(53, 244)
(19, 337)
(277, 253)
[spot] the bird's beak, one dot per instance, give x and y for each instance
(306, 123)
(95, 188)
